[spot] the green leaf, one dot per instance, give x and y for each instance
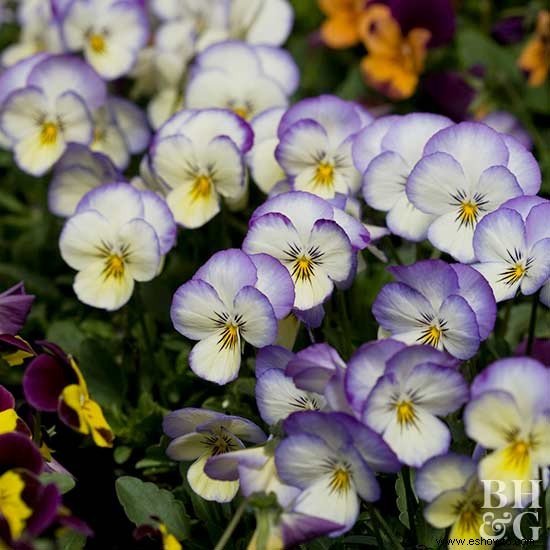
(122, 454)
(141, 500)
(402, 501)
(64, 482)
(71, 540)
(66, 335)
(104, 377)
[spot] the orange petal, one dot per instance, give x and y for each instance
(336, 7)
(379, 31)
(418, 40)
(389, 77)
(340, 32)
(534, 60)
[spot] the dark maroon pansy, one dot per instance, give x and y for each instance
(6, 399)
(12, 344)
(15, 305)
(437, 16)
(44, 380)
(449, 94)
(509, 30)
(18, 451)
(44, 500)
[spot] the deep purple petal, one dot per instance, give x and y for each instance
(6, 399)
(43, 382)
(15, 305)
(18, 451)
(46, 505)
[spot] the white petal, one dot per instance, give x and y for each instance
(74, 118)
(212, 363)
(260, 323)
(405, 220)
(142, 256)
(208, 488)
(449, 235)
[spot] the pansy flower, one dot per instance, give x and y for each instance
(455, 496)
(14, 350)
(467, 171)
(332, 458)
(15, 305)
(300, 230)
(449, 307)
(9, 420)
(262, 163)
(513, 254)
(386, 175)
(199, 156)
(232, 299)
(267, 22)
(278, 394)
(53, 382)
(110, 32)
(116, 237)
(394, 62)
(120, 130)
(341, 26)
(51, 111)
(506, 123)
(535, 57)
(279, 526)
(513, 424)
(198, 434)
(27, 507)
(78, 171)
(419, 385)
(315, 149)
(243, 78)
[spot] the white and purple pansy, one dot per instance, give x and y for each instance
(116, 236)
(232, 299)
(332, 458)
(450, 485)
(386, 175)
(256, 472)
(301, 230)
(419, 385)
(509, 415)
(277, 395)
(242, 78)
(315, 149)
(513, 253)
(468, 170)
(78, 171)
(197, 435)
(199, 155)
(109, 32)
(52, 110)
(449, 307)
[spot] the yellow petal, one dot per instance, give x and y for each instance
(74, 398)
(8, 421)
(101, 431)
(13, 508)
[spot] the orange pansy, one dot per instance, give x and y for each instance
(535, 57)
(394, 62)
(340, 29)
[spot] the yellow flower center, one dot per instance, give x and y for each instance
(468, 213)
(512, 274)
(405, 412)
(340, 481)
(243, 112)
(114, 267)
(518, 453)
(12, 506)
(202, 188)
(97, 43)
(324, 174)
(48, 134)
(229, 337)
(431, 336)
(303, 269)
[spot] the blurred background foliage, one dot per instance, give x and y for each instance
(136, 364)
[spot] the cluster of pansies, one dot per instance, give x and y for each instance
(149, 118)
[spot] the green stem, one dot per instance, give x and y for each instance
(393, 252)
(396, 544)
(411, 503)
(543, 511)
(232, 525)
(37, 429)
(376, 526)
(145, 330)
(532, 324)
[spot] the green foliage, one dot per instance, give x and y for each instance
(143, 501)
